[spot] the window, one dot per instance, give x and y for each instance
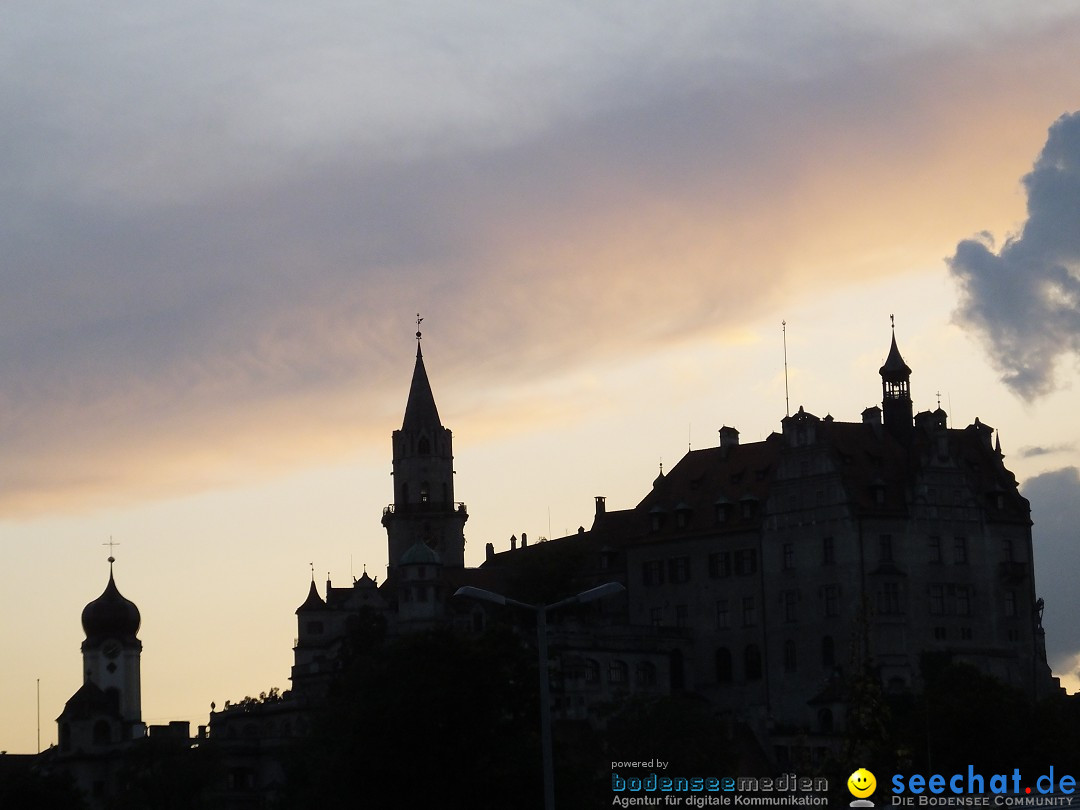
(960, 551)
(965, 634)
(746, 562)
(828, 556)
(749, 613)
(937, 600)
(723, 665)
(720, 564)
(722, 618)
(679, 569)
(592, 671)
(646, 673)
(315, 628)
(424, 488)
(791, 606)
(832, 601)
(963, 600)
(1010, 604)
(934, 549)
(828, 652)
(939, 634)
(682, 615)
(652, 573)
(752, 662)
(791, 662)
(886, 547)
(1008, 553)
(889, 599)
(424, 446)
(789, 556)
(656, 616)
(617, 672)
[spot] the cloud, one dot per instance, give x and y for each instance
(1055, 508)
(1024, 300)
(214, 240)
(1033, 452)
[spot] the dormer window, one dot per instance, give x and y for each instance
(656, 518)
(682, 515)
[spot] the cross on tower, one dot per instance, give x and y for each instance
(110, 544)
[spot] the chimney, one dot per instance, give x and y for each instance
(872, 416)
(601, 505)
(489, 552)
(729, 437)
(524, 539)
(513, 542)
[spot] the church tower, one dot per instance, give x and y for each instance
(896, 393)
(111, 652)
(106, 711)
(424, 510)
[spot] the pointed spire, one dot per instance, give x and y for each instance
(420, 410)
(313, 601)
(895, 369)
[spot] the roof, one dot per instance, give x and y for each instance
(111, 615)
(90, 701)
(313, 601)
(895, 369)
(420, 410)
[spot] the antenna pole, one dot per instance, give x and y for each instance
(787, 398)
(39, 715)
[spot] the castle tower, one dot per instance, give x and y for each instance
(424, 510)
(896, 393)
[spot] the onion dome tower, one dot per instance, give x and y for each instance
(111, 651)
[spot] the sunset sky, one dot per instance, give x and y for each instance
(220, 220)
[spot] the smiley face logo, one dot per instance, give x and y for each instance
(861, 783)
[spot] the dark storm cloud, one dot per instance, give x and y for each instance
(1055, 507)
(1025, 299)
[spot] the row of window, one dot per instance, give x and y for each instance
(618, 673)
(752, 664)
(744, 562)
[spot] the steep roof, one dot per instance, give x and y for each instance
(895, 369)
(313, 601)
(420, 411)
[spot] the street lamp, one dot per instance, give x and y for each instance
(541, 611)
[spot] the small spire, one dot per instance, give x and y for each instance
(312, 571)
(419, 334)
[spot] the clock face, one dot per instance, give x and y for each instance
(111, 648)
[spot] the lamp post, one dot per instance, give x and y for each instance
(541, 611)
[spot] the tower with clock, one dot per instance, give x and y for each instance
(112, 652)
(424, 510)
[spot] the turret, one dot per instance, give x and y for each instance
(897, 413)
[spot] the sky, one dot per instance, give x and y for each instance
(218, 222)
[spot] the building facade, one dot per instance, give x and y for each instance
(762, 576)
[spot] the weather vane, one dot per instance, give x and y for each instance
(419, 320)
